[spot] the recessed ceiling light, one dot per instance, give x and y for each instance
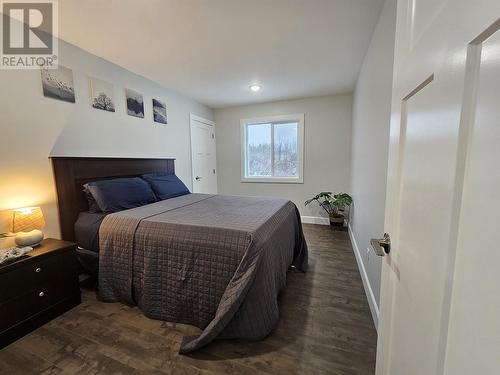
(255, 88)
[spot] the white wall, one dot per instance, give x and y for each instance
(34, 127)
(327, 148)
(370, 140)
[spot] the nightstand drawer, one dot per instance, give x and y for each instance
(18, 309)
(59, 268)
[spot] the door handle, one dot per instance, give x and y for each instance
(197, 178)
(381, 246)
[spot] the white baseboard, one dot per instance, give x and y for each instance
(372, 302)
(315, 220)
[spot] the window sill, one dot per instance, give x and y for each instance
(273, 180)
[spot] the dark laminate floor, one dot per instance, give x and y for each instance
(325, 328)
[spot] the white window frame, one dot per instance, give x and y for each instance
(299, 119)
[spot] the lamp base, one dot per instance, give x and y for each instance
(32, 238)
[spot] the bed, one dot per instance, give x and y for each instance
(216, 262)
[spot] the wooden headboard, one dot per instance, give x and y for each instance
(72, 173)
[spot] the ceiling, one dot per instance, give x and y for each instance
(212, 50)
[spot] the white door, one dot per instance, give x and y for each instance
(203, 155)
(440, 288)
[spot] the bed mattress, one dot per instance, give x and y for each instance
(87, 230)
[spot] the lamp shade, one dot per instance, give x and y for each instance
(27, 219)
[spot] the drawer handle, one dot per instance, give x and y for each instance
(41, 294)
(38, 270)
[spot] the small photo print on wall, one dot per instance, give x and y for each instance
(58, 84)
(101, 95)
(135, 103)
(159, 111)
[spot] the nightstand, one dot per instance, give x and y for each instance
(37, 288)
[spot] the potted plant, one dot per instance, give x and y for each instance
(334, 205)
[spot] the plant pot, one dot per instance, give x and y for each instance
(337, 221)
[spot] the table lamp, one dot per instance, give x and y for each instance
(27, 224)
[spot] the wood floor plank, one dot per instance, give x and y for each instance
(16, 360)
(325, 327)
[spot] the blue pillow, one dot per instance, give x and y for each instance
(166, 186)
(121, 193)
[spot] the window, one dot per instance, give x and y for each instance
(272, 149)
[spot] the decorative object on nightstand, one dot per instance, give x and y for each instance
(11, 253)
(37, 288)
(27, 223)
(334, 205)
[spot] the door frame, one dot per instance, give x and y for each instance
(205, 121)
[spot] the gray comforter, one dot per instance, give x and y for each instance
(216, 262)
